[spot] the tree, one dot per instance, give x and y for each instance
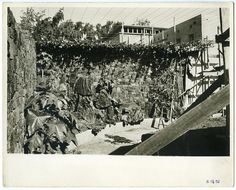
(142, 22)
(89, 32)
(30, 19)
(41, 28)
(67, 30)
(109, 28)
(98, 30)
(59, 16)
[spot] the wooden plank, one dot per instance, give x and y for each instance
(213, 73)
(183, 93)
(186, 122)
(222, 37)
(216, 84)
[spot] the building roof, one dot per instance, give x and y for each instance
(138, 26)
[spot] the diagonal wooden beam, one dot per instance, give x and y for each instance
(183, 124)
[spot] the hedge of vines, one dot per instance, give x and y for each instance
(101, 53)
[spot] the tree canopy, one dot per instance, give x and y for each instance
(53, 28)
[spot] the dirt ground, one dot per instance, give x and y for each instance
(113, 137)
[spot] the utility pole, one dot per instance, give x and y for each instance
(174, 30)
(122, 32)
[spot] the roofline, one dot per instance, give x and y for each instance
(137, 26)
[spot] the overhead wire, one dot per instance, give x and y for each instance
(185, 17)
(195, 14)
(143, 13)
(72, 12)
(83, 14)
(120, 13)
(98, 9)
(105, 15)
(177, 17)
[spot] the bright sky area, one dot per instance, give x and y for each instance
(158, 16)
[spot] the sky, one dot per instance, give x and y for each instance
(158, 16)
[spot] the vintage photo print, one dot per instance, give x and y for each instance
(102, 85)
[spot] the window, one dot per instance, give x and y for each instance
(139, 30)
(177, 31)
(125, 30)
(191, 37)
(194, 22)
(190, 26)
(157, 32)
(135, 30)
(148, 31)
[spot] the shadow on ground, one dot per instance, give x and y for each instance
(199, 142)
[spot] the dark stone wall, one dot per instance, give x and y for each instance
(21, 81)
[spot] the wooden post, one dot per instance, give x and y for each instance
(226, 65)
(152, 40)
(172, 95)
(202, 71)
(174, 30)
(172, 101)
(122, 32)
(218, 32)
(186, 122)
(221, 30)
(154, 115)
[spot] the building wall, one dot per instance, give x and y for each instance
(135, 35)
(136, 38)
(189, 30)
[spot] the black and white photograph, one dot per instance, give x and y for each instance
(116, 80)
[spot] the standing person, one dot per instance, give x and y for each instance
(124, 117)
(83, 87)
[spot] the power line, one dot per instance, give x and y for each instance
(195, 14)
(106, 15)
(120, 13)
(169, 15)
(98, 9)
(154, 11)
(182, 17)
(71, 13)
(83, 13)
(144, 12)
(129, 16)
(177, 17)
(121, 19)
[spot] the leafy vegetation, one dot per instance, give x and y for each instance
(54, 28)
